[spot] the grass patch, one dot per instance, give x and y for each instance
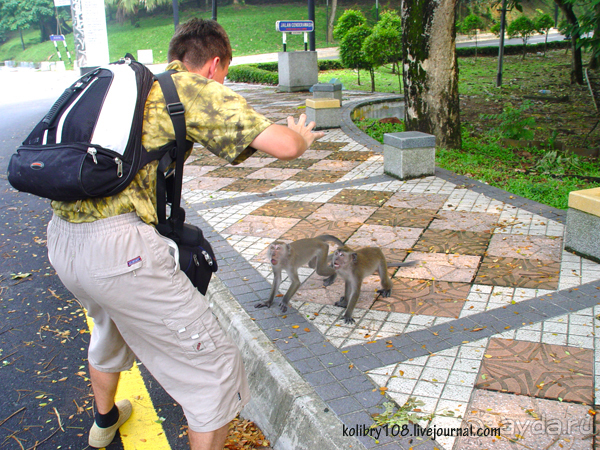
(251, 30)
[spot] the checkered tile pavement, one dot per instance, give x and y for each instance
(495, 323)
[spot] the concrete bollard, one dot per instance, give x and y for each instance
(325, 112)
(583, 223)
(145, 56)
(409, 154)
(328, 90)
(298, 71)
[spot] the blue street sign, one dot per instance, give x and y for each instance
(57, 37)
(295, 26)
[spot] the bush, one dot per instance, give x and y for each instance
(267, 73)
(511, 49)
(247, 73)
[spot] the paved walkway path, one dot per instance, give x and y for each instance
(495, 324)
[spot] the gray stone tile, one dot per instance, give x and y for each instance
(358, 384)
(334, 359)
(320, 378)
(311, 338)
(343, 372)
(331, 391)
(369, 398)
(365, 363)
(323, 349)
(344, 405)
(308, 365)
(249, 297)
(288, 344)
(358, 351)
(389, 357)
(240, 290)
(298, 354)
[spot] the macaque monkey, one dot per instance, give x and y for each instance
(290, 257)
(353, 266)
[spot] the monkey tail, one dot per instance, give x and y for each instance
(403, 264)
(331, 238)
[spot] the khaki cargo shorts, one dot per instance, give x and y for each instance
(127, 277)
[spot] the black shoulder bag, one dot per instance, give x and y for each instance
(196, 256)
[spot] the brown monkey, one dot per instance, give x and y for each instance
(290, 257)
(353, 266)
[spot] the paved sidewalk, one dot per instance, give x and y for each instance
(495, 324)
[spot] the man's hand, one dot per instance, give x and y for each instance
(304, 130)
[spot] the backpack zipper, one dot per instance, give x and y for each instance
(119, 167)
(92, 151)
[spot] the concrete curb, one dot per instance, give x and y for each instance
(286, 408)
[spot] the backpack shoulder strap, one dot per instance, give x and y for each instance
(176, 111)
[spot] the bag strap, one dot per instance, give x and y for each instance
(176, 112)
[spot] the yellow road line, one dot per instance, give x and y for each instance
(144, 430)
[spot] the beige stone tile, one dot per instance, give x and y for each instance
(441, 267)
(263, 226)
(346, 213)
(273, 174)
(382, 236)
(208, 183)
(526, 247)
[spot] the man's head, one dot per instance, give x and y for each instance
(203, 47)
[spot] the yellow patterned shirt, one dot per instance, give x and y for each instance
(215, 116)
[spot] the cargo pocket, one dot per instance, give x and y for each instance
(188, 325)
(123, 268)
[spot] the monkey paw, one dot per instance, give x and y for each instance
(282, 307)
(262, 305)
(385, 292)
(328, 281)
(341, 302)
(349, 320)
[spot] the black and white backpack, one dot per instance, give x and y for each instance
(89, 143)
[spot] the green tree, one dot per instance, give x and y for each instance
(542, 24)
(470, 25)
(350, 19)
(130, 8)
(390, 24)
(496, 28)
(351, 51)
(522, 27)
(375, 49)
(23, 14)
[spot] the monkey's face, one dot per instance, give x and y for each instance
(342, 259)
(277, 252)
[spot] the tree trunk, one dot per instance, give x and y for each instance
(576, 64)
(595, 58)
(21, 36)
(331, 21)
(430, 72)
(372, 73)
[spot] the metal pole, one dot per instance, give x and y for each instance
(175, 13)
(214, 10)
(311, 16)
(501, 49)
(327, 22)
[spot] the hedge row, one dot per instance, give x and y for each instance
(266, 73)
(512, 49)
(250, 73)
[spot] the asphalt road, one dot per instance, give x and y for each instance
(537, 39)
(46, 401)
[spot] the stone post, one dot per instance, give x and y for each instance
(298, 71)
(409, 154)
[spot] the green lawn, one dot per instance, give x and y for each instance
(251, 30)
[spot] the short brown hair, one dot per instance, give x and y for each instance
(196, 41)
